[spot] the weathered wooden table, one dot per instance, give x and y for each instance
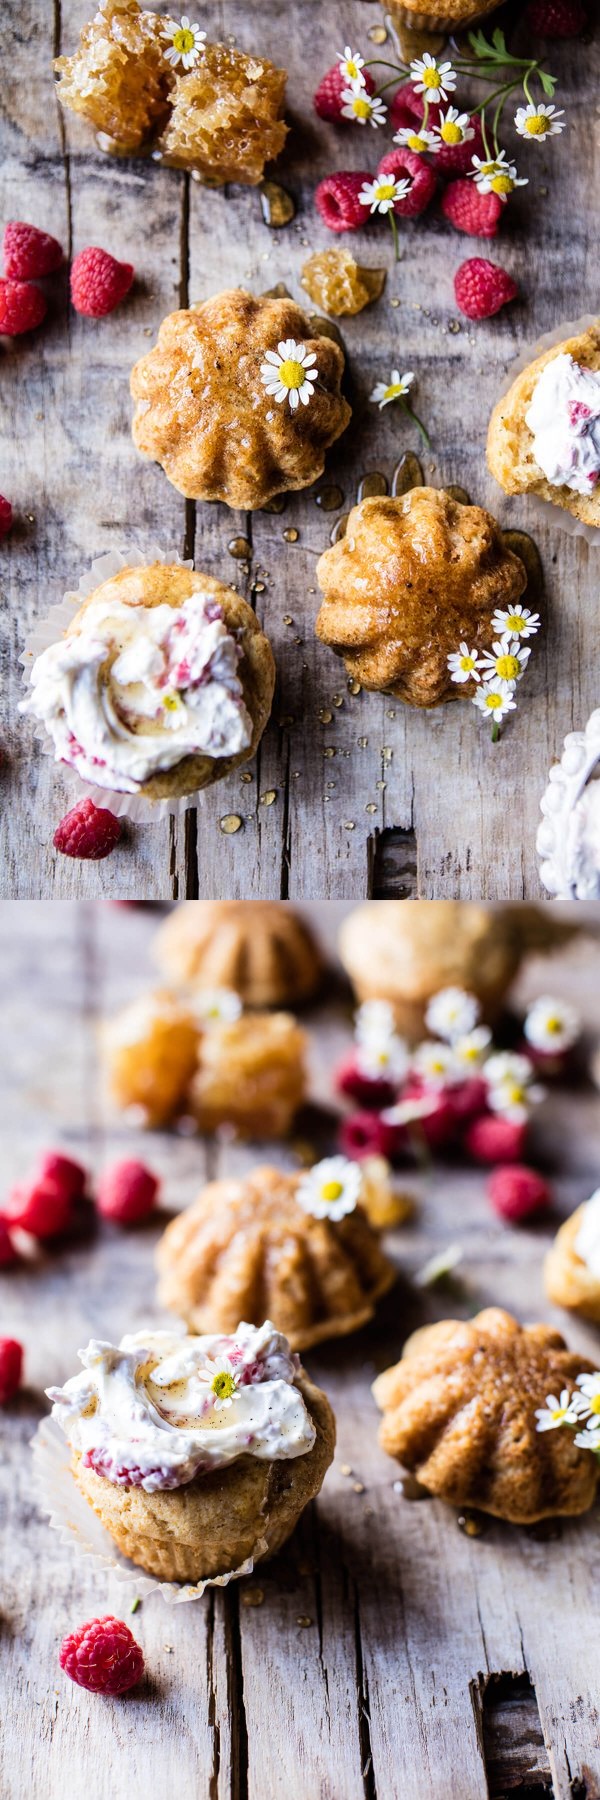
(392, 1655)
(349, 794)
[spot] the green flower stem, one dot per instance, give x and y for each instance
(416, 421)
(392, 219)
(495, 731)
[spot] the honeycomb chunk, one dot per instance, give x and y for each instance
(338, 285)
(225, 120)
(118, 78)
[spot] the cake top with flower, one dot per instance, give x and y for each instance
(158, 1409)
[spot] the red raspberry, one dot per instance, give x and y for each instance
(481, 288)
(44, 1209)
(29, 253)
(102, 1656)
(6, 516)
(328, 102)
(99, 282)
(367, 1090)
(11, 1368)
(438, 1126)
(407, 107)
(8, 1253)
(401, 163)
(22, 307)
(88, 831)
(556, 18)
(336, 198)
(468, 210)
(127, 1192)
(366, 1134)
(68, 1175)
(468, 1099)
(492, 1139)
(515, 1191)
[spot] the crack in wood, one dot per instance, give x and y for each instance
(235, 1686)
(392, 864)
(364, 1717)
(511, 1737)
(213, 1791)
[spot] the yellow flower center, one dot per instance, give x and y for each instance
(362, 107)
(537, 125)
(515, 1094)
(451, 133)
(553, 1025)
(170, 703)
(558, 1412)
(291, 374)
(223, 1386)
(493, 700)
(502, 184)
(508, 667)
(332, 1190)
(516, 622)
(352, 71)
(430, 78)
(391, 393)
(595, 1404)
(183, 40)
(416, 143)
(385, 190)
(467, 662)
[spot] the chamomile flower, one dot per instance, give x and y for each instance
(587, 1401)
(454, 127)
(470, 1051)
(451, 1013)
(497, 175)
(495, 700)
(186, 43)
(435, 1063)
(511, 1090)
(330, 1189)
(360, 106)
(508, 1065)
(551, 1025)
(212, 1006)
(507, 660)
(518, 622)
(588, 1439)
(417, 139)
(223, 1381)
(381, 194)
(556, 1412)
(464, 664)
(539, 122)
(384, 1058)
(351, 66)
(290, 373)
(374, 1019)
(395, 389)
(435, 80)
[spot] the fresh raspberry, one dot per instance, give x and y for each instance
(22, 307)
(516, 1191)
(99, 282)
(468, 210)
(328, 102)
(481, 288)
(29, 253)
(366, 1090)
(367, 1134)
(556, 18)
(44, 1208)
(11, 1368)
(401, 163)
(336, 198)
(102, 1656)
(127, 1192)
(64, 1171)
(88, 831)
(407, 107)
(495, 1140)
(438, 1126)
(468, 1099)
(8, 1253)
(6, 516)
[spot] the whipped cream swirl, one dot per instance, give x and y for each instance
(158, 1409)
(137, 688)
(564, 416)
(587, 1241)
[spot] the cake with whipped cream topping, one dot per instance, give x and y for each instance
(572, 1266)
(197, 1453)
(544, 434)
(161, 685)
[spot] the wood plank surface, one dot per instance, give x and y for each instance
(378, 799)
(365, 1672)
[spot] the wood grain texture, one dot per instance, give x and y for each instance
(79, 488)
(362, 1675)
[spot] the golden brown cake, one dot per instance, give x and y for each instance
(150, 1050)
(250, 1075)
(161, 685)
(338, 285)
(250, 1246)
(459, 1411)
(405, 951)
(572, 1265)
(141, 79)
(564, 428)
(239, 401)
(412, 578)
(177, 1489)
(261, 949)
(443, 15)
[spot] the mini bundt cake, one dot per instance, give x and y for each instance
(544, 434)
(412, 579)
(150, 1051)
(572, 1265)
(441, 15)
(250, 1075)
(262, 950)
(239, 401)
(143, 80)
(405, 951)
(250, 1246)
(459, 1411)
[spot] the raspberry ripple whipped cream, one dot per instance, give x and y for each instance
(158, 1409)
(135, 689)
(564, 416)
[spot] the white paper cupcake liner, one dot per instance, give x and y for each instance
(76, 1522)
(545, 510)
(137, 807)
